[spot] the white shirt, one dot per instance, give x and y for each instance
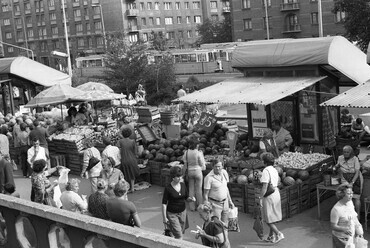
(181, 93)
(40, 155)
(113, 152)
(270, 172)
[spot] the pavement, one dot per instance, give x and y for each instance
(303, 230)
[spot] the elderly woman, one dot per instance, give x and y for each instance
(343, 218)
(70, 198)
(98, 200)
(173, 203)
(213, 232)
(194, 162)
(110, 174)
(217, 193)
(94, 172)
(268, 144)
(129, 165)
(271, 204)
(40, 185)
(348, 168)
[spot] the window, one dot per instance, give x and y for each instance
(80, 42)
(129, 6)
(29, 20)
(143, 21)
(151, 21)
(42, 32)
(54, 30)
(96, 10)
(90, 42)
(133, 37)
(86, 10)
(314, 18)
(149, 6)
(177, 5)
(99, 41)
(247, 24)
(158, 21)
(88, 26)
(186, 5)
(188, 19)
(10, 49)
(268, 3)
(77, 13)
(19, 35)
(156, 6)
(5, 8)
(145, 37)
(7, 21)
(8, 35)
(214, 18)
(141, 6)
(168, 20)
(51, 3)
(97, 25)
(246, 4)
(18, 21)
(265, 24)
(39, 4)
(340, 16)
(189, 33)
(30, 33)
(178, 19)
(17, 8)
(79, 28)
(196, 33)
(167, 5)
(213, 4)
(55, 44)
(181, 34)
(52, 16)
(197, 19)
(170, 35)
(27, 6)
(196, 5)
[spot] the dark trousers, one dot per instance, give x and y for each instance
(26, 169)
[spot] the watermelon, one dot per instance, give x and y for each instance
(153, 151)
(251, 178)
(175, 147)
(298, 181)
(233, 179)
(203, 140)
(162, 150)
(169, 152)
(159, 157)
(220, 132)
(167, 143)
(288, 181)
(246, 172)
(183, 133)
(242, 179)
(173, 158)
(292, 173)
(303, 175)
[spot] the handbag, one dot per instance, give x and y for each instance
(270, 188)
(92, 161)
(233, 225)
(131, 221)
(360, 242)
(167, 231)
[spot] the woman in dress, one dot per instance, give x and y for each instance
(173, 203)
(343, 218)
(348, 167)
(271, 205)
(268, 143)
(70, 198)
(213, 233)
(129, 165)
(194, 162)
(111, 175)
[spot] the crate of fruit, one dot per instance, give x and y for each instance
(300, 161)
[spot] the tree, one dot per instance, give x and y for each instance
(215, 31)
(158, 41)
(357, 20)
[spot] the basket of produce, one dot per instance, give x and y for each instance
(300, 161)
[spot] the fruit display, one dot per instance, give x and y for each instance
(74, 134)
(113, 133)
(297, 160)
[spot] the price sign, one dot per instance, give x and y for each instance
(206, 121)
(258, 131)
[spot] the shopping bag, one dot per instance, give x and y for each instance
(233, 225)
(63, 176)
(56, 196)
(360, 242)
(167, 231)
(15, 167)
(258, 223)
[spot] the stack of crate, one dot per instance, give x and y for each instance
(237, 194)
(165, 177)
(155, 172)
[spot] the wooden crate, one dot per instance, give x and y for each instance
(156, 167)
(165, 177)
(237, 194)
(249, 199)
(304, 200)
(155, 178)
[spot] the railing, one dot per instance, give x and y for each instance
(289, 6)
(226, 9)
(292, 28)
(132, 12)
(44, 226)
(133, 28)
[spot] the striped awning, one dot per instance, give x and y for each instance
(255, 90)
(357, 97)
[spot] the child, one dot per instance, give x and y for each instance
(9, 189)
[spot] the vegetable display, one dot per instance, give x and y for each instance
(297, 160)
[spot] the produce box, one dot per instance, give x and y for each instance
(156, 167)
(165, 177)
(310, 162)
(237, 194)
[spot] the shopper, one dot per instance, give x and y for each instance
(9, 189)
(36, 152)
(343, 218)
(194, 162)
(94, 172)
(217, 193)
(70, 198)
(6, 173)
(111, 175)
(40, 133)
(97, 203)
(174, 203)
(271, 205)
(23, 147)
(111, 151)
(4, 143)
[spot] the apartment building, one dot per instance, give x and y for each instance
(286, 19)
(38, 25)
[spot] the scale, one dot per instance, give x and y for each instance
(232, 137)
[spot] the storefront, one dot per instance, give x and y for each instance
(287, 80)
(21, 78)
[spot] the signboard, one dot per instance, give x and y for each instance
(206, 121)
(259, 120)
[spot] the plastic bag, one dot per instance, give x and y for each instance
(360, 242)
(258, 223)
(15, 167)
(233, 225)
(63, 176)
(56, 196)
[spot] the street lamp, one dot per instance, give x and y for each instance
(102, 21)
(32, 54)
(321, 31)
(67, 42)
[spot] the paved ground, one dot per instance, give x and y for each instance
(303, 230)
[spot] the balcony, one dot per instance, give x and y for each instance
(53, 22)
(226, 9)
(78, 19)
(132, 12)
(87, 18)
(296, 28)
(133, 28)
(29, 25)
(86, 3)
(289, 6)
(27, 11)
(76, 4)
(96, 16)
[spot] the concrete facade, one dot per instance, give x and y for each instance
(287, 19)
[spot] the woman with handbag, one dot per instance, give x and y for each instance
(91, 167)
(270, 199)
(194, 165)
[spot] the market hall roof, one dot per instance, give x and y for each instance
(356, 97)
(33, 71)
(336, 52)
(256, 90)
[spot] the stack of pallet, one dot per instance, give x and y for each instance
(147, 114)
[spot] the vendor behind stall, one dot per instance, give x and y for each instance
(76, 117)
(282, 137)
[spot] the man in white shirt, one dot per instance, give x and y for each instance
(36, 152)
(181, 92)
